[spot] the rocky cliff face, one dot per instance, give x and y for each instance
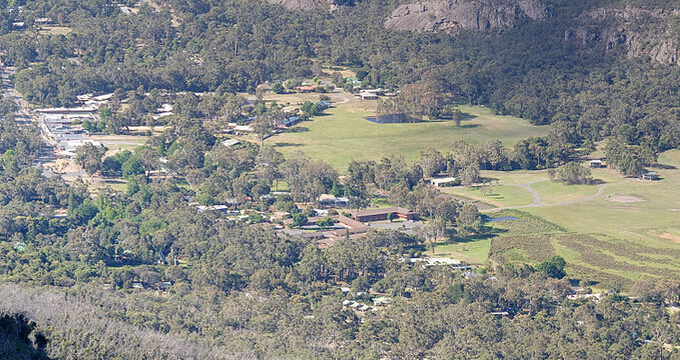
(639, 33)
(453, 15)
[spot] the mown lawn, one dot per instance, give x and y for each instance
(555, 192)
(473, 252)
(500, 195)
(344, 134)
(627, 241)
(630, 233)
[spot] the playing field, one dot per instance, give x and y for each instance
(344, 134)
(617, 232)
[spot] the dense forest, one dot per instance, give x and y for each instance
(141, 274)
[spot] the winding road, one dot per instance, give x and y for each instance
(537, 197)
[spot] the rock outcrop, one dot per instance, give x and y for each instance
(637, 32)
(453, 15)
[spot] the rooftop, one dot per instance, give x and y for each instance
(369, 212)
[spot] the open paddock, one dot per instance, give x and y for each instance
(343, 134)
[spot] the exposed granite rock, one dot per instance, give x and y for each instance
(639, 33)
(452, 15)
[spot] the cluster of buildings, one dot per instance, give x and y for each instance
(19, 24)
(355, 225)
(357, 306)
(373, 94)
(282, 124)
(56, 124)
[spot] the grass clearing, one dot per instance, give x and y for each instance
(501, 195)
(554, 192)
(605, 240)
(474, 252)
(55, 30)
(344, 134)
(623, 241)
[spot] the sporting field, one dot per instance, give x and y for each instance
(344, 134)
(617, 232)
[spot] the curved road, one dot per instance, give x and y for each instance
(537, 197)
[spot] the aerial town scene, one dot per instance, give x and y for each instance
(330, 179)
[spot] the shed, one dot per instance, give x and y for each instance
(230, 142)
(384, 214)
(446, 181)
(651, 175)
(306, 88)
(380, 301)
(595, 163)
(368, 96)
(500, 313)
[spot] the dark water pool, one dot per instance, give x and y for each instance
(503, 218)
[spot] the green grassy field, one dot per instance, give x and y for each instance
(55, 30)
(628, 233)
(344, 134)
(500, 195)
(554, 193)
(474, 252)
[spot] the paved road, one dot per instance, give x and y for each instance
(23, 117)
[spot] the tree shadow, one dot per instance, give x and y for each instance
(463, 117)
(664, 166)
(469, 126)
(298, 129)
(19, 337)
(286, 144)
(466, 116)
(597, 182)
(488, 232)
(487, 179)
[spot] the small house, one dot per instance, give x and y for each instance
(230, 142)
(306, 88)
(245, 128)
(446, 181)
(595, 163)
(368, 96)
(381, 301)
(500, 314)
